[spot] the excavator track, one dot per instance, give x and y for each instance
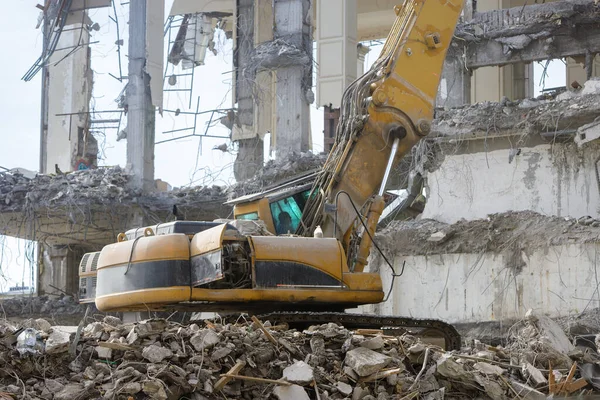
(389, 324)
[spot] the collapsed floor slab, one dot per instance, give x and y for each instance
(89, 208)
(567, 112)
(491, 269)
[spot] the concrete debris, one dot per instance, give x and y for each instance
(489, 369)
(204, 340)
(534, 375)
(344, 388)
(293, 392)
(493, 234)
(375, 343)
(299, 372)
(58, 342)
(156, 354)
(366, 362)
(278, 170)
(540, 341)
(63, 310)
(523, 117)
(162, 360)
(525, 392)
(103, 353)
(437, 237)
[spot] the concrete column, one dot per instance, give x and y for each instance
(140, 116)
(293, 112)
(58, 270)
(361, 52)
(250, 146)
(336, 49)
(67, 143)
(249, 159)
(293, 83)
(576, 70)
(455, 85)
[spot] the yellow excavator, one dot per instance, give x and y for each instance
(303, 276)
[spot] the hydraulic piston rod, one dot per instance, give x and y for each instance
(375, 211)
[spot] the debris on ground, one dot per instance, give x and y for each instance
(250, 359)
(36, 311)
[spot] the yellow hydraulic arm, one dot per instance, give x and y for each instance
(384, 114)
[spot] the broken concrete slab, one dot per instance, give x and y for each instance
(58, 342)
(374, 343)
(299, 372)
(530, 33)
(204, 339)
(550, 331)
(521, 118)
(105, 202)
(103, 352)
(366, 362)
(449, 368)
(156, 354)
(69, 392)
(344, 388)
(533, 375)
(488, 369)
(526, 392)
(292, 392)
(532, 230)
(587, 133)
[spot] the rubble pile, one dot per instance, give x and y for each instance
(61, 310)
(108, 186)
(101, 185)
(275, 171)
(497, 233)
(295, 163)
(569, 110)
(157, 359)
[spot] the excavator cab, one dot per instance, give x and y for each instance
(280, 207)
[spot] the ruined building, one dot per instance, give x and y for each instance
(494, 149)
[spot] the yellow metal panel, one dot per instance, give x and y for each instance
(362, 281)
(147, 299)
(208, 240)
(151, 248)
(334, 296)
(325, 254)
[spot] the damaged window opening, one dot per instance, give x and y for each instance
(549, 75)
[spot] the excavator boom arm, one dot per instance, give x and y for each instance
(393, 103)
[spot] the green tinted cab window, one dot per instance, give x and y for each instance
(250, 216)
(287, 212)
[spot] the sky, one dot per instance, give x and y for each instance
(179, 162)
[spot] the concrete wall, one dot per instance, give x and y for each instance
(69, 92)
(558, 281)
(555, 179)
